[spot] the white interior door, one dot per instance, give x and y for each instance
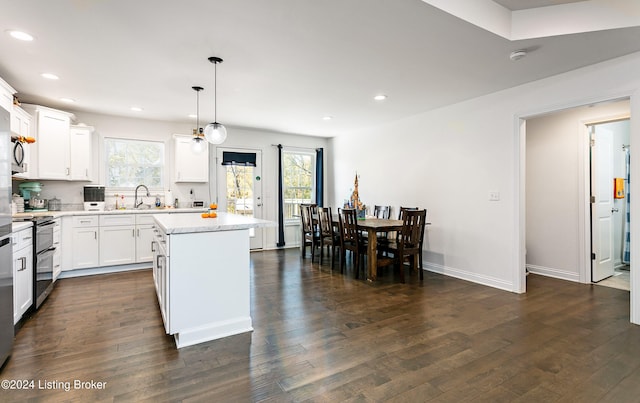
(239, 190)
(602, 203)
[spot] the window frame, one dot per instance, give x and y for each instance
(105, 166)
(295, 220)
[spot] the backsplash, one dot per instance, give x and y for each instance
(71, 194)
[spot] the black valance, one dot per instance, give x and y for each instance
(243, 159)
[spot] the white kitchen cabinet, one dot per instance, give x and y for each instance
(85, 242)
(63, 151)
(6, 96)
(53, 144)
(80, 153)
(21, 122)
(22, 272)
(57, 255)
(117, 245)
(117, 239)
(189, 165)
(144, 237)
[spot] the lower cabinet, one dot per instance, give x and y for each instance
(22, 273)
(117, 239)
(144, 237)
(85, 248)
(101, 240)
(57, 255)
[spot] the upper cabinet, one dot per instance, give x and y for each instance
(64, 152)
(52, 139)
(190, 166)
(80, 147)
(6, 96)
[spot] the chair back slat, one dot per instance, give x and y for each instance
(324, 217)
(348, 225)
(413, 222)
(306, 214)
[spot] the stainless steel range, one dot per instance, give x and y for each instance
(43, 251)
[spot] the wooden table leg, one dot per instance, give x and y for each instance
(372, 255)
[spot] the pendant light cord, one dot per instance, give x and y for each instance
(198, 112)
(215, 92)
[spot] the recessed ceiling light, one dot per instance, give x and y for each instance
(136, 109)
(23, 36)
(327, 118)
(517, 54)
(50, 76)
(380, 97)
(68, 100)
(193, 116)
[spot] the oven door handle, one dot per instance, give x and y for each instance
(47, 252)
(45, 224)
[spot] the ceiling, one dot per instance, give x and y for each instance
(514, 5)
(287, 63)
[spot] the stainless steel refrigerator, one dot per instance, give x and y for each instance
(6, 254)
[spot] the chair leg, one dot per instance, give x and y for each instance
(321, 246)
(356, 264)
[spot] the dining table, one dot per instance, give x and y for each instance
(372, 226)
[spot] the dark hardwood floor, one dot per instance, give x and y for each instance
(323, 336)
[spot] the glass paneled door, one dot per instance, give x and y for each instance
(239, 186)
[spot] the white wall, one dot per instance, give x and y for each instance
(71, 193)
(448, 160)
(555, 144)
(264, 140)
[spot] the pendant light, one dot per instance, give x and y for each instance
(198, 137)
(215, 133)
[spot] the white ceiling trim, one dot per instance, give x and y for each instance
(562, 19)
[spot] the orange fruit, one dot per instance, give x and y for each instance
(213, 214)
(204, 215)
(213, 206)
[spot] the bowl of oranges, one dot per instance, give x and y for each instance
(212, 211)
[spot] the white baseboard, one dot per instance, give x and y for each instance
(555, 273)
(469, 276)
(104, 270)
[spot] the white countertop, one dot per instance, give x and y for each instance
(56, 214)
(20, 225)
(190, 223)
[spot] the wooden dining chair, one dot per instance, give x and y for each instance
(310, 233)
(409, 241)
(350, 239)
(329, 237)
(383, 212)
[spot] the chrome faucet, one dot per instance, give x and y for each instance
(135, 197)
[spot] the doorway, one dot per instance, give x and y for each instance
(610, 230)
(557, 173)
(239, 179)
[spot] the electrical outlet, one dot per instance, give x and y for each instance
(494, 196)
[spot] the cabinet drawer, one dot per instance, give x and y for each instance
(144, 219)
(85, 221)
(22, 239)
(118, 219)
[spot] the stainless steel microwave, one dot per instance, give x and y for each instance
(17, 158)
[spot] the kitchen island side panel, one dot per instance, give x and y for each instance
(209, 285)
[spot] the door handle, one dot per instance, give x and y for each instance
(614, 210)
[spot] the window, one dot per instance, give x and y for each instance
(298, 181)
(130, 163)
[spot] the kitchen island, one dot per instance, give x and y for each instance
(201, 275)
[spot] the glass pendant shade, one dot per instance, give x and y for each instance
(215, 133)
(197, 145)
